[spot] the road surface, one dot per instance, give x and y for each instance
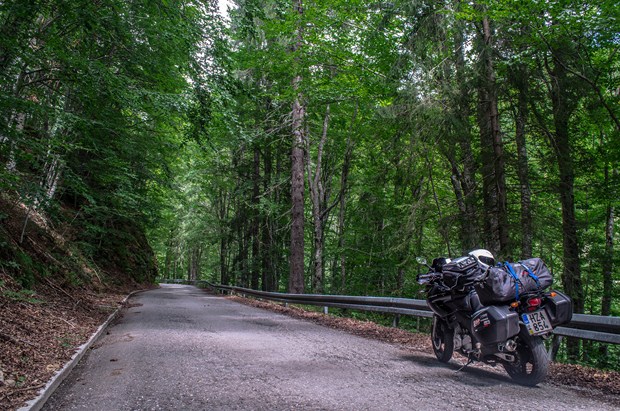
(179, 348)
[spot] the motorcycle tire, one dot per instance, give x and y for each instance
(532, 361)
(442, 337)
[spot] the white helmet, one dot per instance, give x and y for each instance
(483, 256)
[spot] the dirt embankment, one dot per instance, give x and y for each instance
(52, 296)
(39, 332)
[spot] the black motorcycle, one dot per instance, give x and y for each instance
(497, 315)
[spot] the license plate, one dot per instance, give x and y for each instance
(537, 322)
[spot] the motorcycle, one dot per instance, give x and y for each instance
(510, 333)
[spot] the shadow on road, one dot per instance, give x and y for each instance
(485, 377)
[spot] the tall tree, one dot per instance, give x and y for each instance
(564, 103)
(494, 181)
(296, 275)
(519, 79)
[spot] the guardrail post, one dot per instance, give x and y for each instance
(396, 321)
(555, 346)
(325, 310)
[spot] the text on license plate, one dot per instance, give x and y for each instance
(537, 322)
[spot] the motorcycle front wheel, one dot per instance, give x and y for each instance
(531, 360)
(443, 339)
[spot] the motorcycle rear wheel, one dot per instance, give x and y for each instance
(442, 337)
(531, 363)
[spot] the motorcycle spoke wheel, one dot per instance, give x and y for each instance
(442, 338)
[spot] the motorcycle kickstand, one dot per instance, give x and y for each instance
(469, 361)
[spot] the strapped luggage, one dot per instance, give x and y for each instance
(508, 282)
(461, 272)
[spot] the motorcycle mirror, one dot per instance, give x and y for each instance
(421, 260)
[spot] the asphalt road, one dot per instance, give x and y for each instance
(179, 348)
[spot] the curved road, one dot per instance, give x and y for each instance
(178, 348)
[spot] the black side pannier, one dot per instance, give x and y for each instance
(559, 308)
(500, 285)
(461, 272)
(494, 324)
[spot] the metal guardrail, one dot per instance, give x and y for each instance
(588, 327)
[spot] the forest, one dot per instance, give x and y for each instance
(314, 146)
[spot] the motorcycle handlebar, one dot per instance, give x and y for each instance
(428, 278)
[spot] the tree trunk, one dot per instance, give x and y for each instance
(296, 278)
(344, 177)
(519, 78)
(608, 267)
(224, 275)
(193, 266)
(319, 208)
(222, 215)
(494, 184)
(608, 259)
(255, 229)
(466, 186)
(563, 106)
(54, 163)
(11, 163)
(444, 230)
(296, 275)
(175, 264)
(268, 245)
(280, 237)
(14, 118)
(242, 267)
(168, 258)
(562, 109)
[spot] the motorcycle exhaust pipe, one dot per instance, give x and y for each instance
(509, 345)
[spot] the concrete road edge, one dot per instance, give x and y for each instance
(37, 403)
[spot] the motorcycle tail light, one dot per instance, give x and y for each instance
(533, 303)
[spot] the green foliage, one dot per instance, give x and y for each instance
(404, 84)
(178, 127)
(400, 96)
(24, 295)
(23, 266)
(93, 97)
